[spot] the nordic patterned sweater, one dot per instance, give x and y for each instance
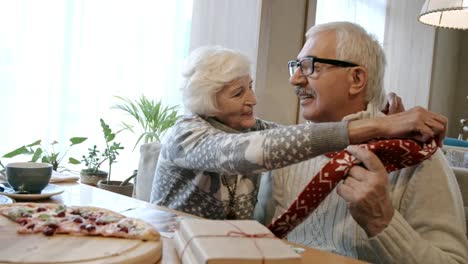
(197, 152)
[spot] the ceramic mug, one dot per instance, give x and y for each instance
(28, 177)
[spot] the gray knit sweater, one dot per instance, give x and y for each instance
(198, 151)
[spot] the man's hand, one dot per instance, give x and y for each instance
(394, 104)
(416, 123)
(366, 192)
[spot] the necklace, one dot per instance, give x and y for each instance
(232, 195)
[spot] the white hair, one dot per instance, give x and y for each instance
(354, 44)
(206, 71)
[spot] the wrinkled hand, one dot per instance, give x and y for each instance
(416, 123)
(366, 192)
(394, 104)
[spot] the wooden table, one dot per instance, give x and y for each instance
(81, 194)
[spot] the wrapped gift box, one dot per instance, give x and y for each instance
(235, 241)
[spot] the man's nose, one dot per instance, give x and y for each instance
(297, 79)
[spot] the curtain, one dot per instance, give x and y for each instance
(62, 63)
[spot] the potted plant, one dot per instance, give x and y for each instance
(152, 119)
(94, 176)
(45, 155)
(95, 158)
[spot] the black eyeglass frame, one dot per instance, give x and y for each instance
(298, 64)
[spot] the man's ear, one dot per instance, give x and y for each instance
(358, 78)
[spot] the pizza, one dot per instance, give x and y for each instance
(50, 219)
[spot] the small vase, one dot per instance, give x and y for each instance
(92, 178)
(114, 186)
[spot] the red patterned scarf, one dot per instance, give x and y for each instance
(395, 154)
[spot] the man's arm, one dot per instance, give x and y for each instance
(427, 227)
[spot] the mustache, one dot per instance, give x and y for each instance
(301, 91)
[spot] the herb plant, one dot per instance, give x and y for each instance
(96, 158)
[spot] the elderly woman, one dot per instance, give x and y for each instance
(211, 160)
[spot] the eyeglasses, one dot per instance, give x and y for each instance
(307, 64)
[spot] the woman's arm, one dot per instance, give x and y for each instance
(195, 144)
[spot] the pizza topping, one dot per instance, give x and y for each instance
(41, 209)
(77, 219)
(21, 221)
(53, 225)
(75, 212)
(44, 217)
(49, 231)
(90, 228)
(61, 214)
(106, 219)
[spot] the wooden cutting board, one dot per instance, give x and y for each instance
(37, 248)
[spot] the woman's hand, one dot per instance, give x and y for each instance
(394, 104)
(366, 192)
(416, 123)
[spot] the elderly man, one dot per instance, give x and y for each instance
(414, 215)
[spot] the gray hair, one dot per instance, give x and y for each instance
(354, 44)
(206, 71)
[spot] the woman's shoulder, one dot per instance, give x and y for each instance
(188, 125)
(190, 121)
(261, 124)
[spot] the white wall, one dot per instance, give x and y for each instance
(282, 35)
(233, 24)
(409, 47)
(444, 75)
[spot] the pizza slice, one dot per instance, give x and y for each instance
(50, 219)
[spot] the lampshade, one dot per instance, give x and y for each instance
(445, 13)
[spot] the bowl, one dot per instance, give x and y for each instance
(31, 177)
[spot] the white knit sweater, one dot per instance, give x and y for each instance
(428, 225)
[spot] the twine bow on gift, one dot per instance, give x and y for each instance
(232, 233)
(243, 234)
(395, 154)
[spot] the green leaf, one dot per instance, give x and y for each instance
(37, 155)
(54, 157)
(16, 152)
(45, 159)
(77, 140)
(73, 161)
(36, 143)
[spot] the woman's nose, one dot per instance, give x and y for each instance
(251, 98)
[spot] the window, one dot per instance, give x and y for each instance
(61, 63)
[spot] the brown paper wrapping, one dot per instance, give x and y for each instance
(237, 241)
